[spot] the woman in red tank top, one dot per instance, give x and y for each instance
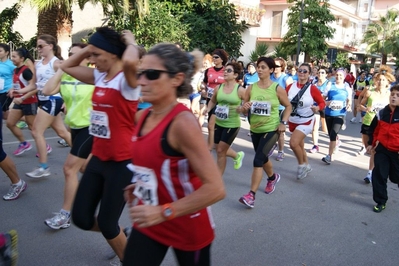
(173, 188)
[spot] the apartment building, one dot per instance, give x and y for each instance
(352, 18)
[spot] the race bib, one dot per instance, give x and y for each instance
(146, 185)
(378, 107)
(222, 112)
(261, 108)
(16, 86)
(99, 125)
(1, 84)
(210, 92)
(40, 87)
(336, 105)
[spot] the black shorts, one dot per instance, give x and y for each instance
(365, 129)
(27, 109)
(356, 97)
(322, 113)
(203, 100)
(5, 102)
(82, 142)
(227, 135)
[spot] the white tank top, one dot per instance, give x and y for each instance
(43, 74)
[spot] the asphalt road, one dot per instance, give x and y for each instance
(324, 219)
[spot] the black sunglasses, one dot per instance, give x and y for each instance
(216, 57)
(228, 70)
(152, 74)
(277, 66)
(304, 71)
(40, 46)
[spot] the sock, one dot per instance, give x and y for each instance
(301, 165)
(370, 172)
(252, 192)
(272, 177)
(24, 143)
(18, 183)
(280, 151)
(66, 213)
(44, 165)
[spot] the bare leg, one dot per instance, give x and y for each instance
(211, 132)
(71, 168)
(118, 244)
(297, 146)
(8, 166)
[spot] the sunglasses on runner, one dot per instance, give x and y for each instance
(304, 71)
(40, 46)
(228, 70)
(152, 74)
(216, 57)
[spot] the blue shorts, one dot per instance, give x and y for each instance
(193, 96)
(52, 106)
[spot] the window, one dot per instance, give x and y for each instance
(366, 7)
(277, 24)
(364, 27)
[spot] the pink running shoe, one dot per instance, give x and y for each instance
(49, 150)
(248, 200)
(22, 148)
(271, 184)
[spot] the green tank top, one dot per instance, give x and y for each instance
(376, 102)
(226, 108)
(264, 110)
(77, 98)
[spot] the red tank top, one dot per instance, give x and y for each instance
(19, 81)
(215, 78)
(112, 118)
(175, 180)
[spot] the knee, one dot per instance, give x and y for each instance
(260, 160)
(82, 221)
(69, 170)
(9, 125)
(220, 152)
(107, 228)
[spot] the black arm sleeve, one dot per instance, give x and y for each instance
(371, 130)
(27, 74)
(206, 76)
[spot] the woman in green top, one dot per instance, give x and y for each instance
(227, 97)
(77, 99)
(262, 100)
(373, 101)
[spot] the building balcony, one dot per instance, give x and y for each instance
(248, 13)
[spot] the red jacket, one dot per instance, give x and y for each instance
(385, 129)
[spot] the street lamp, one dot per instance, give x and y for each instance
(299, 35)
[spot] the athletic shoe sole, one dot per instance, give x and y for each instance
(24, 150)
(243, 201)
(63, 226)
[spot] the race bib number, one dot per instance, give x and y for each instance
(146, 185)
(336, 105)
(222, 112)
(99, 125)
(378, 107)
(210, 92)
(261, 108)
(40, 87)
(16, 86)
(1, 84)
(360, 88)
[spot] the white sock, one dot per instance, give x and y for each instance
(19, 183)
(67, 213)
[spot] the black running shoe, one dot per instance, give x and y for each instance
(379, 207)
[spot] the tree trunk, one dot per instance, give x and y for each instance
(57, 23)
(48, 21)
(384, 59)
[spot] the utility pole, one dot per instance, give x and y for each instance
(299, 35)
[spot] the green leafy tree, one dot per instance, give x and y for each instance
(160, 25)
(7, 19)
(342, 60)
(382, 36)
(280, 52)
(260, 50)
(315, 28)
(213, 24)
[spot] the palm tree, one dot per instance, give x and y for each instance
(381, 36)
(55, 16)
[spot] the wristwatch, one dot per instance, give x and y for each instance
(284, 123)
(168, 212)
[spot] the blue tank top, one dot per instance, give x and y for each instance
(338, 97)
(282, 82)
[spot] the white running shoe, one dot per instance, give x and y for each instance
(353, 120)
(59, 221)
(39, 172)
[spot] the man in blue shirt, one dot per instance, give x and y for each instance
(252, 76)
